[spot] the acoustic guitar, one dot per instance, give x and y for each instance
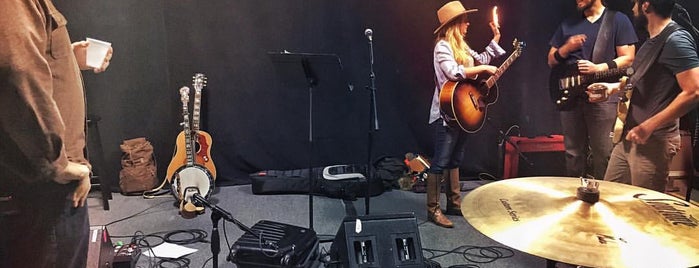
(466, 102)
(190, 178)
(566, 83)
(202, 139)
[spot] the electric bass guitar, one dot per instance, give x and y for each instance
(466, 102)
(201, 138)
(190, 178)
(567, 84)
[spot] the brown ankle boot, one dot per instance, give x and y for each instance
(434, 214)
(453, 193)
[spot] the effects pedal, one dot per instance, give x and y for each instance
(125, 256)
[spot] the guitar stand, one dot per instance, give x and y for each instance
(504, 137)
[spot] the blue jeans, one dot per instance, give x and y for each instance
(449, 148)
(587, 127)
(47, 232)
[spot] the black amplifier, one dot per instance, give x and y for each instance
(276, 245)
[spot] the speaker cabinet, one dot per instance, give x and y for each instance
(378, 241)
(542, 164)
(536, 156)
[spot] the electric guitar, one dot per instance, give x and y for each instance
(190, 178)
(201, 138)
(622, 109)
(566, 83)
(466, 102)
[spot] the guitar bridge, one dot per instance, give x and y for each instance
(474, 101)
(477, 102)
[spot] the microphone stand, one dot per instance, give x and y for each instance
(373, 123)
(504, 138)
(216, 214)
(312, 82)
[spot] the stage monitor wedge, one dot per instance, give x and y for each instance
(377, 241)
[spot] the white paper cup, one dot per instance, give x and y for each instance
(96, 52)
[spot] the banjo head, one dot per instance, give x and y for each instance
(192, 176)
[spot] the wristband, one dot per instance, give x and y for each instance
(558, 56)
(611, 64)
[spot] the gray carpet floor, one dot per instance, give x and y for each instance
(131, 215)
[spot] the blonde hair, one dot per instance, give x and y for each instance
(452, 34)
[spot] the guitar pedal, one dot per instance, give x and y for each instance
(125, 256)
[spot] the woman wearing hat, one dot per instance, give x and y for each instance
(453, 60)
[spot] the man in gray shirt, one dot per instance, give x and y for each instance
(666, 91)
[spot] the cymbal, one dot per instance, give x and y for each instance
(629, 226)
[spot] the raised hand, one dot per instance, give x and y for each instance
(496, 31)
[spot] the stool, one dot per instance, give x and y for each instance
(517, 145)
(97, 162)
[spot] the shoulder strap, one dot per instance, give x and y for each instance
(604, 36)
(644, 64)
(681, 17)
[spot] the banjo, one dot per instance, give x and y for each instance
(190, 178)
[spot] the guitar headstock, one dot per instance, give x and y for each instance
(184, 94)
(518, 46)
(198, 81)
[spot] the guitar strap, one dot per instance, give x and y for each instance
(604, 36)
(640, 68)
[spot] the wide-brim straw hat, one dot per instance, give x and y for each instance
(451, 11)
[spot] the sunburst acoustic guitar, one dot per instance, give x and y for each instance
(466, 102)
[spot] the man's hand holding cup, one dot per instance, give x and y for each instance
(599, 92)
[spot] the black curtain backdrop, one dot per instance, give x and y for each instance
(256, 107)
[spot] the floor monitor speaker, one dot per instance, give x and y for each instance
(282, 245)
(377, 241)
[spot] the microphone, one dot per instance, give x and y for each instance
(368, 32)
(199, 200)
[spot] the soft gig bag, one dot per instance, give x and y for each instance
(338, 181)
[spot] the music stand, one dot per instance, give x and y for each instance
(288, 64)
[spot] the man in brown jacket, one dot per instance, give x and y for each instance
(44, 175)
